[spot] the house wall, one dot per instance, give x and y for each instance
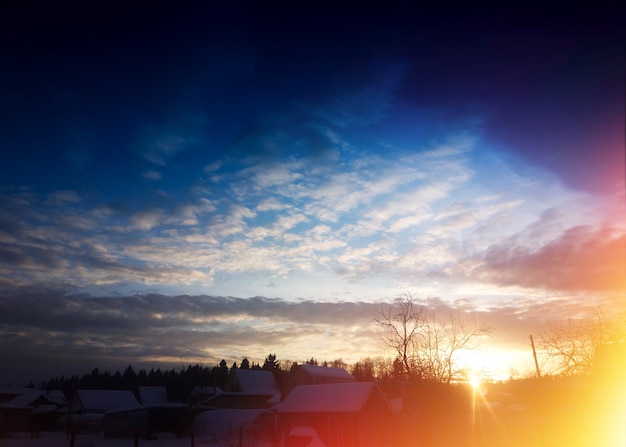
(75, 404)
(362, 429)
(14, 420)
(127, 424)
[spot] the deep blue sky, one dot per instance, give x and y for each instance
(336, 155)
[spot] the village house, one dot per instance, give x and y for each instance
(28, 409)
(314, 375)
(101, 401)
(117, 413)
(200, 394)
(163, 416)
(113, 412)
(349, 414)
(247, 389)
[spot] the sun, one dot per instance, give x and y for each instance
(474, 381)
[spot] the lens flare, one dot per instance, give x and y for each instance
(474, 381)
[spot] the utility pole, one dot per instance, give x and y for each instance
(532, 344)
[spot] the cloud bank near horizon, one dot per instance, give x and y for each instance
(54, 331)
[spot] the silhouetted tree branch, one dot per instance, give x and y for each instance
(401, 322)
(427, 348)
(572, 344)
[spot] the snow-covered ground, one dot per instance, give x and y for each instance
(59, 439)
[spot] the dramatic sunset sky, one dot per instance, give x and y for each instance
(185, 183)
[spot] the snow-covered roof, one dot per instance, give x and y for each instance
(338, 374)
(327, 398)
(101, 400)
(257, 381)
(43, 409)
(56, 396)
(26, 398)
(307, 434)
(151, 395)
(254, 381)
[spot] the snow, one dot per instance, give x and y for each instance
(301, 435)
(216, 420)
(232, 426)
(258, 382)
(330, 397)
(55, 396)
(61, 439)
(303, 431)
(101, 400)
(26, 398)
(338, 374)
(261, 382)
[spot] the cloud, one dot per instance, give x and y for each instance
(64, 328)
(582, 258)
(64, 196)
(414, 217)
(147, 219)
(50, 330)
(271, 204)
(152, 175)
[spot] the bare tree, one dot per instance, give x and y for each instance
(402, 321)
(572, 344)
(427, 347)
(441, 342)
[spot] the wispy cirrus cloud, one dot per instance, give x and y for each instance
(64, 196)
(423, 217)
(152, 175)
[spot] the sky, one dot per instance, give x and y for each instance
(185, 182)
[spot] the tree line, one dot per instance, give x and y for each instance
(180, 382)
